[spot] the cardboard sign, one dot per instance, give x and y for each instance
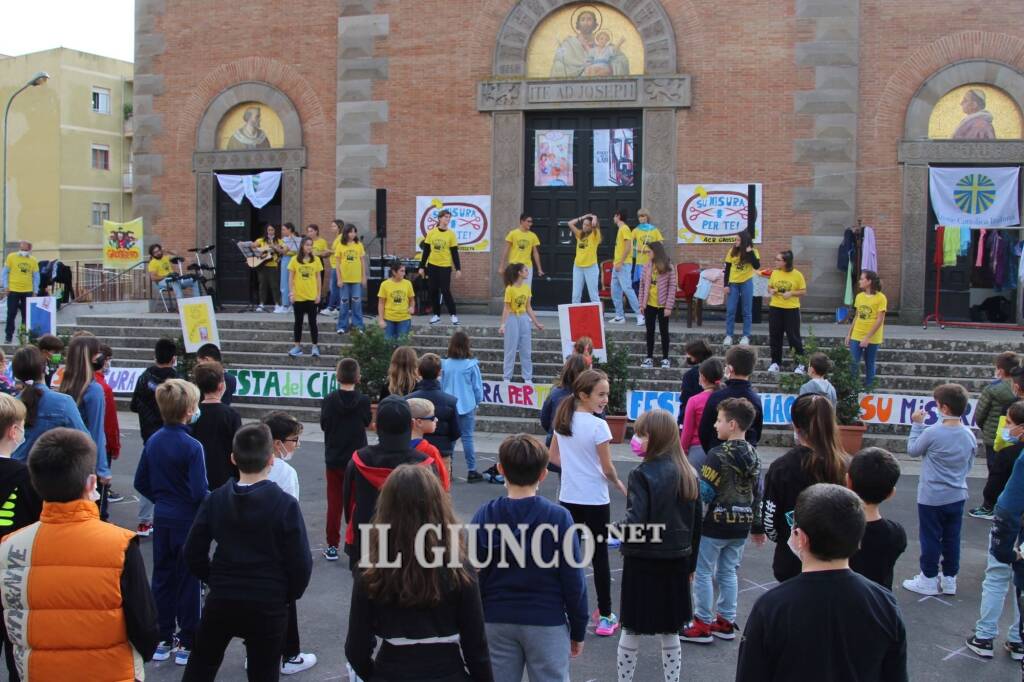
(198, 322)
(576, 320)
(41, 315)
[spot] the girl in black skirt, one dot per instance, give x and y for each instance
(656, 574)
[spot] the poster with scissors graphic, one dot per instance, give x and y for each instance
(714, 214)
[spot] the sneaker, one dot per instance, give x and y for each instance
(727, 341)
(342, 331)
(278, 309)
(982, 647)
(647, 363)
(435, 319)
(922, 585)
(163, 651)
(607, 625)
(114, 496)
(948, 584)
(773, 368)
(723, 629)
(492, 475)
(982, 512)
(331, 553)
(455, 320)
(297, 664)
(144, 531)
(295, 352)
(666, 363)
(639, 320)
(474, 477)
(745, 341)
(8, 341)
(181, 656)
(613, 543)
(259, 309)
(697, 632)
(800, 369)
(1015, 649)
(315, 352)
(618, 320)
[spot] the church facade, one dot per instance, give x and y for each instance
(832, 110)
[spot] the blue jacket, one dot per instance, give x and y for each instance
(1006, 527)
(92, 408)
(732, 388)
(531, 595)
(461, 378)
(445, 409)
(55, 410)
(172, 473)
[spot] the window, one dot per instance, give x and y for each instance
(101, 157)
(100, 212)
(101, 100)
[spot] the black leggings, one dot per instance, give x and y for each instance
(652, 314)
(596, 517)
(999, 469)
(439, 284)
(307, 308)
(784, 321)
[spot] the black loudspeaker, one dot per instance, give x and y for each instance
(382, 213)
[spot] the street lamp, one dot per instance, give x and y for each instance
(37, 79)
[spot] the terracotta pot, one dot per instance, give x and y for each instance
(373, 416)
(852, 436)
(617, 424)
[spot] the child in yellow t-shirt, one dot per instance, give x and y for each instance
(440, 256)
(515, 323)
(268, 275)
(350, 276)
(867, 331)
(741, 262)
(395, 302)
(304, 293)
(786, 285)
(585, 268)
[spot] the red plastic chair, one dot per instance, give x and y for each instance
(605, 288)
(687, 277)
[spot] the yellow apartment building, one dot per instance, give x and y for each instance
(69, 141)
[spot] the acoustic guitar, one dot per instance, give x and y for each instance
(256, 261)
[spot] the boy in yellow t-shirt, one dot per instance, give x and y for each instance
(585, 268)
(786, 285)
(622, 272)
(521, 246)
(20, 279)
(741, 262)
(440, 255)
(305, 292)
(867, 331)
(334, 292)
(395, 303)
(350, 275)
(515, 323)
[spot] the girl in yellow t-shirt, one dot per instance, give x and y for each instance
(585, 268)
(740, 264)
(440, 256)
(350, 277)
(865, 336)
(658, 295)
(786, 286)
(268, 274)
(304, 291)
(289, 246)
(515, 323)
(395, 303)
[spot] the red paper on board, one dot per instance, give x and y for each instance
(586, 321)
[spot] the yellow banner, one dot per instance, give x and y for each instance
(122, 244)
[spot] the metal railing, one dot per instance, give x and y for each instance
(95, 284)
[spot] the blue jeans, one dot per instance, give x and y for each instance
(395, 330)
(467, 424)
(622, 283)
(581, 275)
(940, 536)
(285, 290)
(998, 581)
(351, 301)
(334, 294)
(719, 559)
(869, 354)
(736, 291)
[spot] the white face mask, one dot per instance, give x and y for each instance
(94, 494)
(20, 438)
(796, 436)
(24, 254)
(791, 543)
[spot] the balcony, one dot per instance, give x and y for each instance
(126, 181)
(129, 127)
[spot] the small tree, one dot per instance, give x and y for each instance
(847, 382)
(372, 350)
(620, 378)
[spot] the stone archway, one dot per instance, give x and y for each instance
(659, 92)
(916, 152)
(291, 158)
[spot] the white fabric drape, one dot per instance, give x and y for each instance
(259, 188)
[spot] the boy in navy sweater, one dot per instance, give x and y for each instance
(739, 365)
(261, 564)
(172, 473)
(527, 608)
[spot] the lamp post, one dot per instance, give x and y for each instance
(37, 79)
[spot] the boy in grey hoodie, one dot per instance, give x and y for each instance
(818, 367)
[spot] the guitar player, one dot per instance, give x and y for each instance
(268, 272)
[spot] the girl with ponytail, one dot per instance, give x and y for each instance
(818, 457)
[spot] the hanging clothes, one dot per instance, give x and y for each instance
(869, 254)
(965, 240)
(981, 249)
(938, 257)
(950, 246)
(848, 294)
(846, 250)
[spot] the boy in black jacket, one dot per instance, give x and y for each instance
(445, 406)
(144, 404)
(217, 424)
(261, 563)
(344, 418)
(739, 365)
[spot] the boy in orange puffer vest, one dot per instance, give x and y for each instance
(104, 633)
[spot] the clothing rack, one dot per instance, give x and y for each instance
(936, 316)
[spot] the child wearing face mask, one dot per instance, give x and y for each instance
(989, 412)
(172, 473)
(709, 376)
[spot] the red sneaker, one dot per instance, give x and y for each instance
(723, 629)
(697, 632)
(144, 530)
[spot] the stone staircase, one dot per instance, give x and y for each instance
(905, 365)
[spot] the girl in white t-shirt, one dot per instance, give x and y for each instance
(581, 448)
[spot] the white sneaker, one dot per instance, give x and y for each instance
(666, 363)
(948, 584)
(727, 341)
(435, 319)
(639, 320)
(922, 585)
(647, 363)
(259, 309)
(618, 320)
(745, 341)
(298, 663)
(800, 369)
(773, 368)
(278, 309)
(455, 320)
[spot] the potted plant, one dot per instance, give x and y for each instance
(848, 387)
(620, 383)
(372, 350)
